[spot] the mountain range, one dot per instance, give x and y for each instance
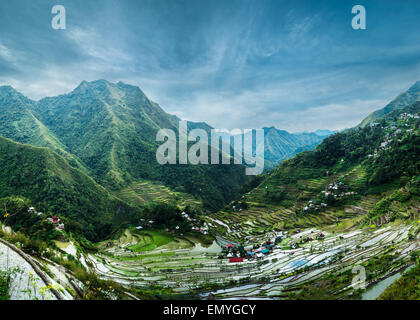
(91, 154)
(97, 143)
(280, 145)
(374, 167)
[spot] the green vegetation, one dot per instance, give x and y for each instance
(150, 240)
(4, 285)
(406, 288)
(325, 288)
(14, 213)
(373, 163)
(52, 186)
(18, 123)
(112, 129)
(404, 99)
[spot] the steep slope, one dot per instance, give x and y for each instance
(404, 99)
(280, 144)
(112, 128)
(47, 179)
(17, 122)
(363, 175)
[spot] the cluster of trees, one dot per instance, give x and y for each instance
(14, 213)
(53, 186)
(167, 215)
(401, 159)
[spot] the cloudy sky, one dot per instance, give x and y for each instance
(295, 65)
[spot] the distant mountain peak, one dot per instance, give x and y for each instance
(7, 89)
(92, 85)
(102, 86)
(415, 86)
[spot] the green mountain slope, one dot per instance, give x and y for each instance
(112, 129)
(404, 99)
(17, 122)
(359, 175)
(47, 179)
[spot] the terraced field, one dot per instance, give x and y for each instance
(263, 213)
(143, 191)
(196, 269)
(258, 219)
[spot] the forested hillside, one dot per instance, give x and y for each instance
(374, 170)
(112, 128)
(47, 180)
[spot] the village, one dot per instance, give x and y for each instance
(56, 221)
(176, 229)
(334, 192)
(265, 267)
(394, 131)
(237, 253)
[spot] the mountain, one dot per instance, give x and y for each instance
(50, 183)
(404, 99)
(280, 144)
(365, 175)
(112, 129)
(325, 133)
(17, 122)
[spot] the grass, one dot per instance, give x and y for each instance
(61, 245)
(4, 286)
(149, 240)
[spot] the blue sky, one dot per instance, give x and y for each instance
(295, 65)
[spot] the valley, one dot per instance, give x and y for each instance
(109, 224)
(279, 274)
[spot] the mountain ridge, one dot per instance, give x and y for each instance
(403, 99)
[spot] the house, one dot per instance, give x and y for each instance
(185, 215)
(60, 226)
(31, 210)
(55, 220)
(265, 251)
(139, 227)
(236, 260)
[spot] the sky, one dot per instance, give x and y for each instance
(235, 64)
